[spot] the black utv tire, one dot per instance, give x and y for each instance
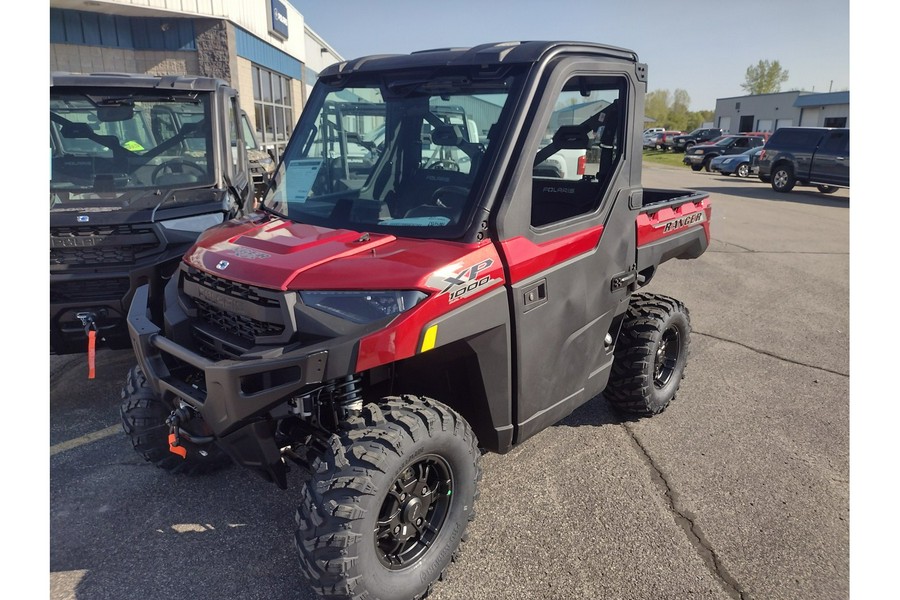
(783, 179)
(144, 422)
(388, 501)
(650, 355)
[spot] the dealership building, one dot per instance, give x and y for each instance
(768, 112)
(263, 48)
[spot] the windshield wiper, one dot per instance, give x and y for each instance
(274, 212)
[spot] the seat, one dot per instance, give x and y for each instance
(446, 201)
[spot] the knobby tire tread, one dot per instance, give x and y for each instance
(341, 474)
(631, 379)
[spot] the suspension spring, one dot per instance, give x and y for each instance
(348, 395)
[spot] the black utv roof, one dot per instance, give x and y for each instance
(129, 80)
(500, 53)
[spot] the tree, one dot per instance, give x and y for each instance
(671, 110)
(764, 78)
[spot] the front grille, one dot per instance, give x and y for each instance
(100, 244)
(91, 290)
(241, 327)
(233, 288)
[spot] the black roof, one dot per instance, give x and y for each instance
(133, 80)
(499, 53)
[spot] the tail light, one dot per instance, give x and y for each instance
(582, 160)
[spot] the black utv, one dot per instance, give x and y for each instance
(140, 165)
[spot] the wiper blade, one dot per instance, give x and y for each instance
(274, 212)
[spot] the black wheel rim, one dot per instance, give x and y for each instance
(666, 357)
(413, 512)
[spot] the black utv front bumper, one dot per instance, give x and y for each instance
(235, 397)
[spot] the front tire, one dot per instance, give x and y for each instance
(144, 422)
(783, 179)
(650, 356)
(388, 502)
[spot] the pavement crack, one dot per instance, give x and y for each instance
(687, 521)
(752, 251)
(770, 354)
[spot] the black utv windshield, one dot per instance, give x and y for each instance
(399, 153)
(116, 146)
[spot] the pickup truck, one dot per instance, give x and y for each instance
(700, 156)
(381, 332)
(140, 165)
(683, 143)
(806, 156)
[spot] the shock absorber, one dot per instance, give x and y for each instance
(347, 396)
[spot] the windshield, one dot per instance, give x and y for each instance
(399, 153)
(113, 145)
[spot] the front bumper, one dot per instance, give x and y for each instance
(694, 159)
(105, 296)
(234, 397)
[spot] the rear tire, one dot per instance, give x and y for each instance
(650, 356)
(388, 502)
(743, 170)
(827, 189)
(144, 422)
(783, 179)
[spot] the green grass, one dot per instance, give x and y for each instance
(671, 159)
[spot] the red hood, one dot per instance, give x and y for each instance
(279, 254)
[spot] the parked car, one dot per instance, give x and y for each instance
(660, 140)
(650, 139)
(665, 139)
(700, 156)
(817, 156)
(682, 143)
(743, 165)
(763, 134)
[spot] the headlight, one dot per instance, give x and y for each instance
(698, 152)
(196, 224)
(362, 307)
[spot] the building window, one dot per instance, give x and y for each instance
(835, 122)
(274, 109)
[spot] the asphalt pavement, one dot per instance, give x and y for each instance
(739, 490)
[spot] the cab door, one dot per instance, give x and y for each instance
(831, 162)
(568, 239)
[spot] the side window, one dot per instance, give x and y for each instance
(581, 147)
(836, 142)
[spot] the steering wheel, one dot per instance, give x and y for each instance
(176, 165)
(450, 196)
(442, 164)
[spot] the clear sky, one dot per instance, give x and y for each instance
(701, 46)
